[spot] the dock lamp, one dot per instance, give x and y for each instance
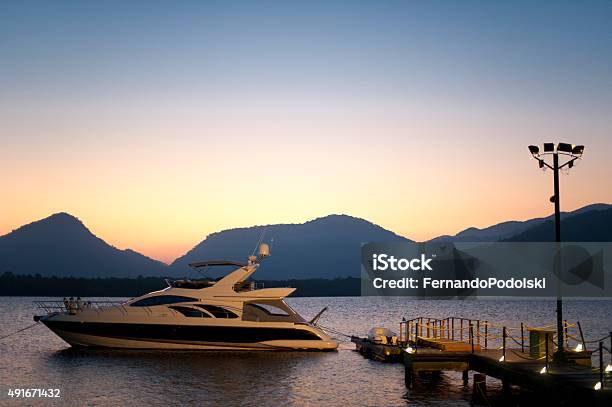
(569, 153)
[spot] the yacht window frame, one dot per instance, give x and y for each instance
(181, 309)
(262, 307)
(215, 309)
(177, 299)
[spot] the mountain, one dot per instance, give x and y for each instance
(507, 230)
(591, 226)
(61, 245)
(326, 247)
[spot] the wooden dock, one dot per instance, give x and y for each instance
(528, 366)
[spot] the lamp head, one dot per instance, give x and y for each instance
(578, 150)
(534, 150)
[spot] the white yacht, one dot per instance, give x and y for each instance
(228, 314)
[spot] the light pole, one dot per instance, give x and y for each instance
(571, 153)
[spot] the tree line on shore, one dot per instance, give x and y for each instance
(41, 286)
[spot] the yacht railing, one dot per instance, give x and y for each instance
(51, 307)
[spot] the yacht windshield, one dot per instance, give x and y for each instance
(269, 311)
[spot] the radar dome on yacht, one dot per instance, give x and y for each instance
(264, 250)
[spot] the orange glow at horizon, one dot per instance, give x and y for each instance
(161, 195)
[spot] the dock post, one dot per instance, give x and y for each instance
(601, 367)
(522, 339)
(410, 329)
(428, 323)
(461, 329)
(581, 335)
(472, 336)
(504, 334)
(453, 328)
(486, 333)
(478, 332)
(546, 350)
(479, 388)
(464, 376)
(408, 375)
(565, 333)
(416, 337)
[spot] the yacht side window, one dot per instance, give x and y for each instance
(218, 312)
(270, 309)
(161, 300)
(190, 312)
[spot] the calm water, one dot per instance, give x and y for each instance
(37, 358)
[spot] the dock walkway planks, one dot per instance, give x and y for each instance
(446, 344)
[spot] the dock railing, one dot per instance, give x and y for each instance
(523, 341)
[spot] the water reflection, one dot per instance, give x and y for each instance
(181, 378)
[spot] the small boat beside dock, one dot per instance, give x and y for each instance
(517, 356)
(381, 344)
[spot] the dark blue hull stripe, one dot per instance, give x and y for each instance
(183, 333)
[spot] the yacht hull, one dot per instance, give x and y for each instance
(177, 337)
(227, 314)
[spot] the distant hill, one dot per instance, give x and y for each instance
(61, 245)
(323, 248)
(326, 247)
(507, 230)
(592, 226)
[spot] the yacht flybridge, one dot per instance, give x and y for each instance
(231, 313)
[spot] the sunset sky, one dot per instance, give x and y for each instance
(157, 123)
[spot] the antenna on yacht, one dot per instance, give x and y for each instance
(261, 236)
(262, 249)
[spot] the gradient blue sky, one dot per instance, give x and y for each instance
(159, 122)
